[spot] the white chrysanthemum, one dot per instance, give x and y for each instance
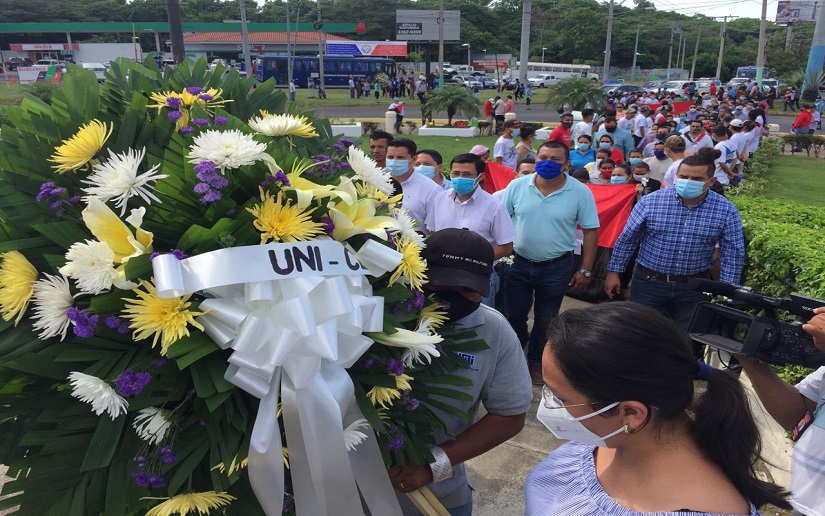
(152, 424)
(51, 299)
(226, 149)
(118, 178)
(368, 171)
(97, 393)
(353, 436)
(407, 227)
(91, 265)
(283, 125)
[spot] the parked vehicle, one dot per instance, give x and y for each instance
(736, 81)
(16, 62)
(652, 86)
(488, 84)
(703, 85)
(543, 80)
(677, 86)
(618, 89)
(97, 68)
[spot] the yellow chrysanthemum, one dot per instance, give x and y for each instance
(76, 152)
(283, 125)
(233, 467)
(435, 313)
(17, 277)
(209, 99)
(195, 503)
(165, 318)
(277, 219)
(402, 381)
(383, 396)
(412, 267)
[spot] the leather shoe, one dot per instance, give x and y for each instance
(535, 375)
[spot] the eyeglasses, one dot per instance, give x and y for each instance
(551, 401)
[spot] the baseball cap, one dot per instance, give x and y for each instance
(479, 150)
(459, 258)
(395, 99)
(492, 99)
(736, 123)
(511, 123)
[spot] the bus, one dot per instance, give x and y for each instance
(560, 71)
(337, 69)
(749, 72)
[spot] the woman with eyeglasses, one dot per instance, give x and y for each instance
(620, 386)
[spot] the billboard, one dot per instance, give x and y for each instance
(367, 48)
(422, 25)
(795, 11)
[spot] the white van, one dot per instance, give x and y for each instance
(543, 80)
(97, 68)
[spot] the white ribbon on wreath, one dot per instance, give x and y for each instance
(294, 315)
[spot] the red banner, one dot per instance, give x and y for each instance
(497, 177)
(614, 203)
(678, 107)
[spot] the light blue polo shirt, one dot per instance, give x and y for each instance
(546, 226)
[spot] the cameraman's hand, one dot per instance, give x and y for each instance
(816, 327)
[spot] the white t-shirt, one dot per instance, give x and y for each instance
(670, 175)
(753, 141)
(740, 140)
(692, 145)
(728, 150)
(808, 463)
(641, 123)
(506, 150)
(579, 129)
(625, 123)
(658, 167)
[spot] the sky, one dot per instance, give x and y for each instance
(712, 8)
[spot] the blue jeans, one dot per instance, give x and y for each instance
(464, 510)
(490, 300)
(547, 283)
(673, 299)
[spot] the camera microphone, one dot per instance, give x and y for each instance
(733, 292)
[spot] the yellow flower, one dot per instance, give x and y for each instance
(277, 219)
(107, 227)
(357, 218)
(383, 396)
(195, 503)
(165, 318)
(306, 190)
(412, 267)
(402, 381)
(433, 313)
(187, 100)
(283, 125)
(17, 277)
(76, 152)
(234, 466)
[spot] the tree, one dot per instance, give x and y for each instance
(452, 99)
(578, 92)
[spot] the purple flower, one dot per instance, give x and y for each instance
(156, 481)
(131, 383)
(211, 196)
(282, 178)
(409, 402)
(367, 362)
(180, 255)
(166, 455)
(438, 347)
(141, 479)
(396, 367)
(397, 443)
(175, 115)
(220, 120)
(72, 313)
(187, 129)
(123, 328)
(205, 170)
(200, 121)
(418, 299)
(202, 188)
(74, 199)
(346, 142)
(194, 90)
(289, 503)
(218, 182)
(111, 322)
(329, 225)
(339, 147)
(85, 323)
(160, 362)
(205, 97)
(201, 421)
(174, 102)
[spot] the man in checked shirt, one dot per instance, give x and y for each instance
(677, 231)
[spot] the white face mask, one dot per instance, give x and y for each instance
(553, 414)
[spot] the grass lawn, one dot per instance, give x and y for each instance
(798, 179)
(446, 146)
(10, 93)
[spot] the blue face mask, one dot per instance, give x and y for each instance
(689, 189)
(583, 147)
(634, 161)
(618, 180)
(426, 171)
(398, 167)
(516, 132)
(604, 145)
(548, 169)
(463, 185)
(660, 154)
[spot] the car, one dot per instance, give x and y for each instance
(703, 85)
(652, 86)
(543, 80)
(488, 84)
(16, 62)
(97, 68)
(737, 81)
(677, 86)
(618, 89)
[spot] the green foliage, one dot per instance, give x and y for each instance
(578, 92)
(452, 100)
(41, 90)
(813, 81)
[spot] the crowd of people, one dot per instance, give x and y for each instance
(622, 392)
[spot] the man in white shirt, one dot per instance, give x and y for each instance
(292, 90)
(429, 163)
(696, 137)
(659, 162)
(419, 192)
(504, 151)
(641, 124)
(739, 139)
(726, 160)
(626, 122)
(585, 126)
(498, 112)
(467, 206)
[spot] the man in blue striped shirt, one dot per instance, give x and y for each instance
(677, 231)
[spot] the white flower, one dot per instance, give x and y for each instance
(226, 149)
(416, 355)
(51, 299)
(407, 226)
(283, 125)
(368, 171)
(99, 394)
(419, 344)
(91, 264)
(152, 424)
(353, 435)
(118, 179)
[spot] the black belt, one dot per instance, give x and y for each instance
(566, 255)
(670, 277)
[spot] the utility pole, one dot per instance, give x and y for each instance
(635, 53)
(760, 52)
(608, 42)
(684, 51)
(817, 55)
(440, 43)
(788, 37)
(247, 59)
(695, 53)
(524, 51)
(289, 63)
(319, 24)
(679, 55)
(723, 34)
(670, 51)
(175, 30)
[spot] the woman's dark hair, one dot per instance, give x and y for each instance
(640, 151)
(628, 352)
(704, 157)
(623, 167)
(605, 135)
(526, 132)
(607, 161)
(586, 137)
(642, 165)
(581, 173)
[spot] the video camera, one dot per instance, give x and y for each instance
(766, 337)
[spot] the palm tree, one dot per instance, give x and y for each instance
(452, 99)
(578, 92)
(813, 81)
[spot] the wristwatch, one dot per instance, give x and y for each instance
(586, 273)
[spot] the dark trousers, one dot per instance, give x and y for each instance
(673, 299)
(547, 284)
